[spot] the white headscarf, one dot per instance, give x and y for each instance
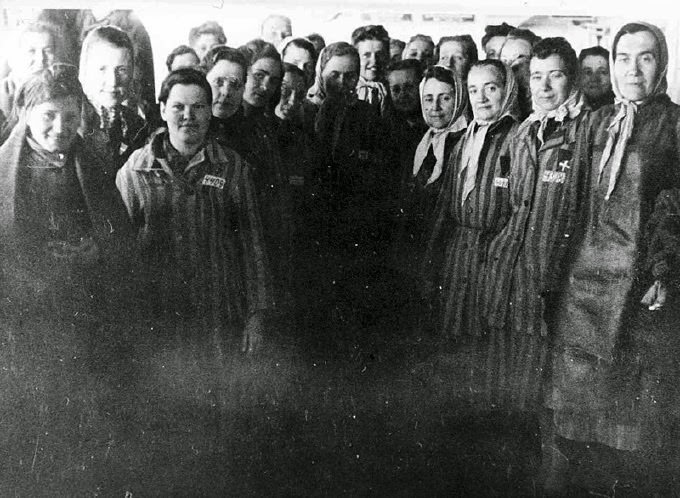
(436, 137)
(476, 133)
(621, 127)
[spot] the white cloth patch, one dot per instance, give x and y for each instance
(213, 181)
(500, 182)
(554, 176)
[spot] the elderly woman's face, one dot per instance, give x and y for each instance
(107, 76)
(293, 89)
(549, 82)
(264, 77)
(54, 123)
(340, 76)
(486, 91)
(636, 65)
(452, 55)
(187, 114)
(226, 79)
(438, 103)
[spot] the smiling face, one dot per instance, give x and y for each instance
(486, 91)
(54, 123)
(438, 103)
(550, 85)
(107, 76)
(636, 65)
(372, 59)
(340, 76)
(227, 80)
(187, 114)
(264, 78)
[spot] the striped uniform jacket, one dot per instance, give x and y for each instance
(526, 261)
(462, 231)
(199, 233)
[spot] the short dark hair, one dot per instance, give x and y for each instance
(496, 64)
(406, 65)
(596, 51)
(302, 44)
(421, 37)
(440, 73)
(493, 30)
(524, 34)
(59, 81)
(208, 28)
(394, 42)
(108, 34)
(316, 39)
(466, 41)
(181, 50)
(258, 49)
(371, 32)
(184, 76)
(223, 53)
(561, 47)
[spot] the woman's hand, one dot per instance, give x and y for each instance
(252, 333)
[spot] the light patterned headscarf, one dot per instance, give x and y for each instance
(476, 132)
(317, 93)
(621, 127)
(436, 137)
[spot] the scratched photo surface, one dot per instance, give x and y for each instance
(320, 248)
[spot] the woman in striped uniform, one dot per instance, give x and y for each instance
(616, 365)
(195, 209)
(525, 260)
(473, 207)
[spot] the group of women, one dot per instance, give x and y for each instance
(542, 234)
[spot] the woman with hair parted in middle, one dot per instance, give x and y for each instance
(195, 208)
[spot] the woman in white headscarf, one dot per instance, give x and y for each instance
(443, 104)
(616, 369)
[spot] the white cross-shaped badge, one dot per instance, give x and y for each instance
(564, 165)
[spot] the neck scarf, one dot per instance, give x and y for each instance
(476, 134)
(621, 127)
(372, 92)
(570, 108)
(436, 137)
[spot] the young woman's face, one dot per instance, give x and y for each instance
(340, 76)
(107, 76)
(54, 124)
(187, 114)
(302, 59)
(264, 78)
(227, 80)
(438, 103)
(486, 91)
(373, 59)
(293, 89)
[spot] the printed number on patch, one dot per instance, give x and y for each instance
(213, 181)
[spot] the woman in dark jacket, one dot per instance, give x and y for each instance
(616, 371)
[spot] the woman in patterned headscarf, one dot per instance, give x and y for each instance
(616, 357)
